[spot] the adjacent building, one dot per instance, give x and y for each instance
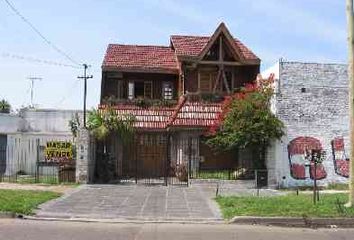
(312, 101)
(21, 134)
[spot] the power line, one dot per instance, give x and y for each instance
(37, 60)
(46, 40)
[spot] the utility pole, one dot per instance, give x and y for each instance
(350, 20)
(32, 80)
(85, 77)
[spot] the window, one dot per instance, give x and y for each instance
(140, 89)
(131, 90)
(207, 80)
(167, 91)
(122, 90)
(148, 90)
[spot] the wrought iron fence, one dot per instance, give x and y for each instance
(45, 174)
(144, 160)
(23, 160)
(224, 174)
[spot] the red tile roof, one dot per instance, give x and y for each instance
(164, 58)
(146, 118)
(135, 57)
(192, 45)
(197, 114)
(184, 114)
(188, 45)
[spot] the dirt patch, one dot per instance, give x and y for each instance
(37, 187)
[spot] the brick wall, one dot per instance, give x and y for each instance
(312, 101)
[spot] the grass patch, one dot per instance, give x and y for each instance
(221, 174)
(291, 205)
(338, 186)
(50, 180)
(30, 179)
(23, 201)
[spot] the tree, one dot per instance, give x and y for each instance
(5, 106)
(102, 124)
(350, 19)
(247, 121)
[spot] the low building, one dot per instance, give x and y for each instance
(312, 101)
(21, 134)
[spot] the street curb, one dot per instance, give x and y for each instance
(8, 215)
(126, 220)
(295, 222)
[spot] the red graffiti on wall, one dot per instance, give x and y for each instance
(340, 159)
(299, 159)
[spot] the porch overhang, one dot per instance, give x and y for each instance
(184, 115)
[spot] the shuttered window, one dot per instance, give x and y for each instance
(207, 80)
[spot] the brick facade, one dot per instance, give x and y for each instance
(312, 101)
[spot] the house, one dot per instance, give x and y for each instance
(312, 101)
(176, 93)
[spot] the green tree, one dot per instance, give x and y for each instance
(5, 106)
(103, 124)
(248, 122)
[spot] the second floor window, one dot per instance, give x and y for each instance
(167, 91)
(140, 89)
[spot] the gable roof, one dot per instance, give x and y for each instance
(139, 57)
(191, 46)
(164, 58)
(222, 30)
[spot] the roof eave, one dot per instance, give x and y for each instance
(140, 70)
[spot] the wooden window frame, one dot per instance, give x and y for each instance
(145, 83)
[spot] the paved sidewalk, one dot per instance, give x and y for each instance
(134, 202)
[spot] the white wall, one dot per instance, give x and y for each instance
(47, 120)
(25, 129)
(10, 123)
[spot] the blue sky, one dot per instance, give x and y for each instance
(303, 30)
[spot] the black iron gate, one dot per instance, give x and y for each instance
(145, 159)
(3, 146)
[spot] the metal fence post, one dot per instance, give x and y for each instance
(135, 144)
(168, 160)
(37, 162)
(189, 160)
(256, 178)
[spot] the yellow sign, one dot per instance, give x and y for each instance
(58, 151)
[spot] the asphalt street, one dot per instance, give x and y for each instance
(16, 229)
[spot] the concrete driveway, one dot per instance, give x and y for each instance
(135, 202)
